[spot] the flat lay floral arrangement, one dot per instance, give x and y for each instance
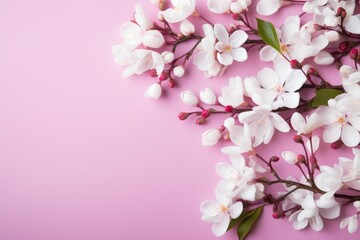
(294, 95)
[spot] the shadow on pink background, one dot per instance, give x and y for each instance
(83, 155)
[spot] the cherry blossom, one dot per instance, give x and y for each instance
(229, 48)
(181, 10)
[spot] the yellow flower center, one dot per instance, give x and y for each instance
(341, 120)
(223, 209)
(227, 48)
(284, 48)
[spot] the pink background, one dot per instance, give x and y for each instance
(82, 154)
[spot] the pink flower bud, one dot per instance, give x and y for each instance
(341, 12)
(200, 121)
(153, 73)
(312, 71)
(236, 16)
(205, 113)
(295, 64)
(300, 158)
(336, 145)
(163, 76)
(353, 53)
(277, 215)
(298, 139)
(344, 46)
(229, 109)
(183, 116)
(274, 159)
(171, 83)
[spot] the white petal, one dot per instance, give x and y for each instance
(350, 136)
(323, 58)
(235, 210)
(239, 54)
(297, 121)
(352, 24)
(218, 7)
(237, 38)
(330, 213)
(268, 7)
(210, 208)
(291, 100)
(279, 123)
(332, 133)
(225, 58)
(289, 157)
(267, 78)
(219, 228)
(316, 223)
(153, 39)
(221, 33)
(268, 53)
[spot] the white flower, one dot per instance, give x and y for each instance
(189, 98)
(211, 137)
(220, 211)
(208, 96)
(125, 57)
(179, 71)
(218, 7)
(268, 7)
(262, 123)
(341, 121)
(205, 59)
(187, 28)
(240, 6)
(154, 91)
(295, 42)
(140, 32)
(290, 157)
(182, 10)
(351, 223)
(305, 126)
(232, 95)
(229, 48)
(329, 179)
(148, 59)
(238, 179)
(241, 137)
(278, 87)
(350, 80)
(351, 170)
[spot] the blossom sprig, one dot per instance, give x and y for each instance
(256, 108)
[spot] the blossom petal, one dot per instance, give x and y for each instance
(279, 123)
(235, 210)
(221, 33)
(291, 100)
(225, 58)
(332, 132)
(219, 228)
(210, 208)
(239, 54)
(237, 38)
(268, 7)
(268, 54)
(350, 136)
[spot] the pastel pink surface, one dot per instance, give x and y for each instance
(82, 154)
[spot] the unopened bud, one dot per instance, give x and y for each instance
(171, 83)
(277, 215)
(205, 113)
(312, 71)
(183, 116)
(341, 12)
(295, 64)
(236, 16)
(344, 46)
(353, 53)
(298, 139)
(164, 76)
(200, 121)
(229, 109)
(153, 73)
(274, 159)
(226, 137)
(300, 158)
(336, 145)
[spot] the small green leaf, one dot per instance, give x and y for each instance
(323, 95)
(247, 224)
(268, 34)
(236, 221)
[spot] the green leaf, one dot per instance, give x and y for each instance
(247, 224)
(236, 221)
(323, 95)
(268, 34)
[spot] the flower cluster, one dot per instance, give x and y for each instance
(293, 95)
